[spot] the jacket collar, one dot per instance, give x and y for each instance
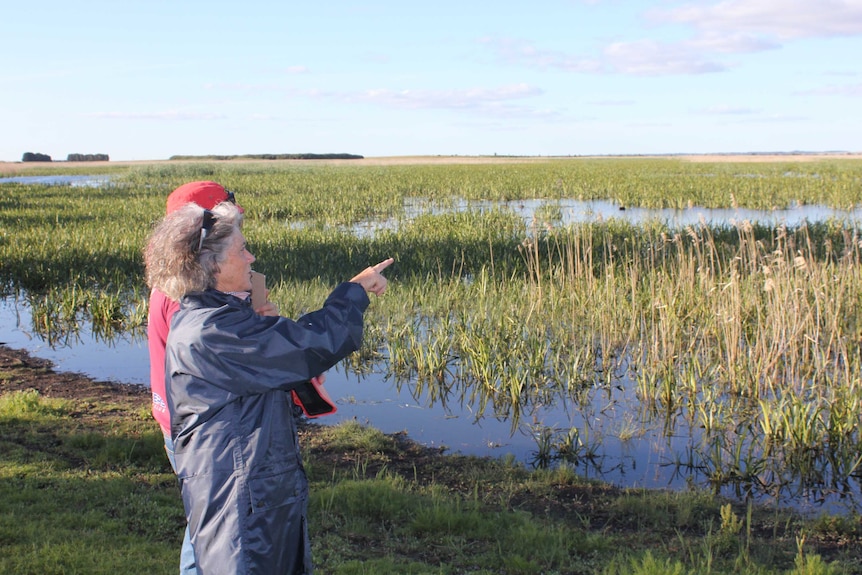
(212, 298)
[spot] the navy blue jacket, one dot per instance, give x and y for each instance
(229, 373)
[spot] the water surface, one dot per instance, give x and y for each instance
(90, 181)
(644, 460)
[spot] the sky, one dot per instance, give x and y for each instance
(150, 79)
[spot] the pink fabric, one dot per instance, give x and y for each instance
(162, 309)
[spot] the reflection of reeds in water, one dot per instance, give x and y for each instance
(756, 341)
(729, 328)
(59, 314)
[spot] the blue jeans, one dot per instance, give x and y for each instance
(187, 554)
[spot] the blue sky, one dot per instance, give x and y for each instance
(144, 80)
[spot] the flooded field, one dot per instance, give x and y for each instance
(664, 341)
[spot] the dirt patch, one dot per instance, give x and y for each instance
(19, 371)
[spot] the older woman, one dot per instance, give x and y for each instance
(229, 374)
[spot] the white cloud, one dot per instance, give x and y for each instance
(651, 58)
(524, 53)
(613, 103)
(714, 42)
(715, 30)
(377, 57)
(490, 102)
(448, 99)
(241, 87)
(772, 119)
(641, 58)
(264, 118)
(851, 90)
(487, 102)
(729, 111)
(779, 19)
(171, 115)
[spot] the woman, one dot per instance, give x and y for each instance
(206, 194)
(229, 373)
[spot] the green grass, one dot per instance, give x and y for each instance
(89, 491)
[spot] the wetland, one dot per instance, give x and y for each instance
(707, 334)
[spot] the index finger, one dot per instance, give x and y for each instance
(383, 265)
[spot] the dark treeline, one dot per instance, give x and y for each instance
(35, 157)
(87, 158)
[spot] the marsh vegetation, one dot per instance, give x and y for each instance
(740, 336)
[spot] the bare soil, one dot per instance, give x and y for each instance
(19, 371)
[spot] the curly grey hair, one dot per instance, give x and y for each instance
(174, 264)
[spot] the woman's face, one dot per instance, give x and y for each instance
(235, 270)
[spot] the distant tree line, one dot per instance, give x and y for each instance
(37, 157)
(273, 157)
(87, 158)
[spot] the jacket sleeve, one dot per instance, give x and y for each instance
(255, 354)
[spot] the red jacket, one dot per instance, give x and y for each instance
(161, 311)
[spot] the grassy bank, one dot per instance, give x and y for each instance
(85, 488)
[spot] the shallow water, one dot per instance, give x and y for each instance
(369, 399)
(642, 461)
(92, 181)
(578, 211)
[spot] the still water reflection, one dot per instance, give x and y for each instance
(535, 213)
(369, 398)
(642, 459)
(92, 181)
